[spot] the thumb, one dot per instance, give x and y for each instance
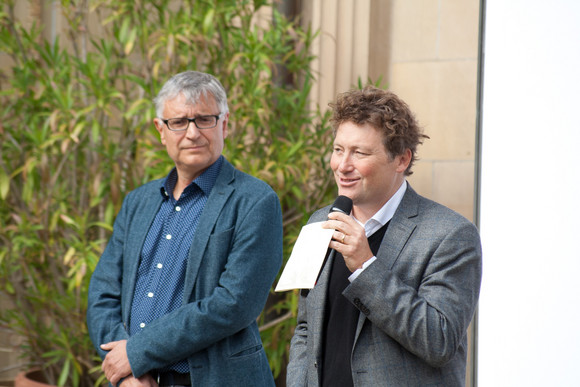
(109, 346)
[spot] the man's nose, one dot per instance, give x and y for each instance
(192, 130)
(345, 163)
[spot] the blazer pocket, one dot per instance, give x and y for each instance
(247, 351)
(243, 343)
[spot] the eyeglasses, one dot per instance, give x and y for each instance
(201, 122)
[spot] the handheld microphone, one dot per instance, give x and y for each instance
(342, 204)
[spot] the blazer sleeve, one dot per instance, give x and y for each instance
(104, 316)
(425, 300)
(297, 370)
(252, 251)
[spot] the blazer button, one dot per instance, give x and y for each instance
(315, 364)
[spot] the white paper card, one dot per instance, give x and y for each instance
(306, 258)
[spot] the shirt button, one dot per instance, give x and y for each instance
(142, 325)
(150, 294)
(178, 208)
(159, 265)
(168, 236)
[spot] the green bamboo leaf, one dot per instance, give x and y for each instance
(77, 129)
(64, 374)
(103, 225)
(130, 41)
(68, 220)
(69, 255)
(124, 31)
(95, 131)
(137, 105)
(295, 148)
(4, 184)
(9, 288)
(208, 22)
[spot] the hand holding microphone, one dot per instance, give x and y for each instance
(349, 237)
(342, 204)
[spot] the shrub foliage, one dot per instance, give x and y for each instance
(76, 135)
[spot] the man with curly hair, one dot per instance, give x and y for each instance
(401, 280)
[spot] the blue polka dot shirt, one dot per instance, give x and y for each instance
(161, 273)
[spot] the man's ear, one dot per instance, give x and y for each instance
(404, 160)
(225, 124)
(159, 126)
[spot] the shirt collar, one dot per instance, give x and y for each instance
(382, 216)
(205, 181)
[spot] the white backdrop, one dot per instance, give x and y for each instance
(529, 311)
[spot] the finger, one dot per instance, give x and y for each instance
(113, 376)
(330, 224)
(339, 236)
(336, 225)
(338, 216)
(109, 346)
(335, 245)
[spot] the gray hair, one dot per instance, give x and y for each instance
(194, 85)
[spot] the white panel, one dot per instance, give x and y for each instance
(529, 313)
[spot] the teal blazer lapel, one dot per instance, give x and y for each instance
(144, 215)
(212, 213)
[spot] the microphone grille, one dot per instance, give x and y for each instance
(342, 204)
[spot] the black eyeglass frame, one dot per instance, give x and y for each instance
(216, 116)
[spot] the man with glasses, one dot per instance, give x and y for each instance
(175, 296)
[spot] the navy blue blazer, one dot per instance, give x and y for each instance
(234, 257)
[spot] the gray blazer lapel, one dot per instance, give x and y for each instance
(400, 229)
(218, 197)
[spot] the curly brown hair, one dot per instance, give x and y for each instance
(384, 111)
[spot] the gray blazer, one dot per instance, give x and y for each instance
(235, 255)
(416, 302)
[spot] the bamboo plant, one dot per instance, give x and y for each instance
(76, 136)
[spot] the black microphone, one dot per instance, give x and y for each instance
(342, 204)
